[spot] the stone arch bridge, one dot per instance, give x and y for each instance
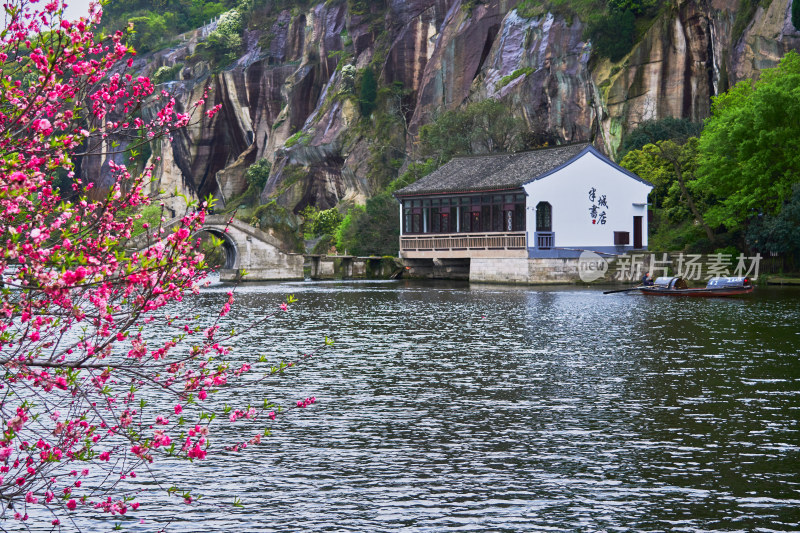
(246, 249)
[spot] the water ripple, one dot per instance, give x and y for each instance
(450, 407)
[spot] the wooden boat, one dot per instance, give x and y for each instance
(676, 286)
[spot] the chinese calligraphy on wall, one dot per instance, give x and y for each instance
(599, 206)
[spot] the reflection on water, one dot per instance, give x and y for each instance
(454, 407)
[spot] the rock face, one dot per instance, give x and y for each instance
(292, 97)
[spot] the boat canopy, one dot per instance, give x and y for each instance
(674, 282)
(718, 283)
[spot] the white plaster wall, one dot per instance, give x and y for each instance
(567, 190)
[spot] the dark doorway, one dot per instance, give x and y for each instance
(637, 232)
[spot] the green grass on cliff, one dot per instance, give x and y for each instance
(505, 80)
(583, 9)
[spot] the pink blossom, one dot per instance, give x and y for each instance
(80, 301)
(43, 125)
(16, 423)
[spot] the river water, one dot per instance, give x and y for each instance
(455, 407)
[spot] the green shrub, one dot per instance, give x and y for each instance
(469, 5)
(414, 171)
(178, 16)
(300, 137)
(346, 233)
(505, 80)
(346, 39)
(271, 215)
(258, 173)
(167, 73)
(371, 230)
(530, 8)
(482, 127)
(224, 44)
(316, 222)
(148, 32)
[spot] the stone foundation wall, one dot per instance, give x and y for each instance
(333, 267)
(290, 267)
(458, 269)
(524, 271)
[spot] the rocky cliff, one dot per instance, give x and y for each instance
(291, 97)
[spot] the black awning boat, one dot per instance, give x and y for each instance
(677, 286)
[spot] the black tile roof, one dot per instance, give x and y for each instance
(498, 171)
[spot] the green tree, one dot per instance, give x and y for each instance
(778, 233)
(447, 136)
(481, 127)
(676, 197)
(651, 131)
(317, 223)
(148, 32)
(178, 15)
(414, 171)
(494, 128)
(647, 163)
(373, 229)
(750, 147)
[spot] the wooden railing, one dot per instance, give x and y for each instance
(463, 241)
(544, 240)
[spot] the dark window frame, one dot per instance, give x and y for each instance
(484, 213)
(544, 217)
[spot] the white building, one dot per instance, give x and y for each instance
(548, 203)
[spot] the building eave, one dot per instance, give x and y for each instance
(458, 192)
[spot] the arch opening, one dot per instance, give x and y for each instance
(224, 256)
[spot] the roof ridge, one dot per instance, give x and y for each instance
(522, 152)
(497, 171)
